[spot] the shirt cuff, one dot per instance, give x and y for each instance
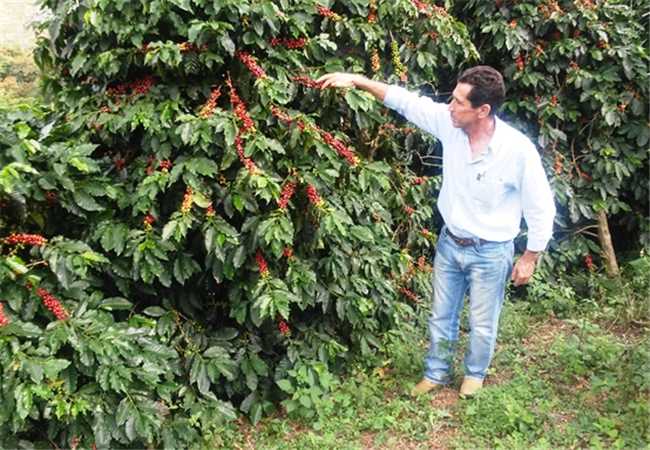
(394, 94)
(536, 245)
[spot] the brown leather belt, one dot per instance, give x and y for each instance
(464, 242)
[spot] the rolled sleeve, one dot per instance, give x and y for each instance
(537, 203)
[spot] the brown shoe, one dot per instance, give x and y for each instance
(470, 387)
(424, 386)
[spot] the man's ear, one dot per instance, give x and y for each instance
(484, 110)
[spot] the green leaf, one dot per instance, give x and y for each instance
(227, 43)
(154, 311)
(256, 413)
(286, 386)
(168, 229)
(52, 367)
(184, 267)
(115, 303)
(94, 257)
(85, 201)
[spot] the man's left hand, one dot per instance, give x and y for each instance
(524, 268)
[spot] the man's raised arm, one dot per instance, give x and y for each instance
(348, 80)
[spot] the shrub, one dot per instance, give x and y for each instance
(220, 233)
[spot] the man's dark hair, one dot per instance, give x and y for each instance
(487, 87)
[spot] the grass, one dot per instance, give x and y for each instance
(554, 383)
(18, 77)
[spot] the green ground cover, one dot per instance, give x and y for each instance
(562, 377)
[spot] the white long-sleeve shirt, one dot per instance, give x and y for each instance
(484, 197)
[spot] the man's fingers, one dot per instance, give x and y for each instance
(336, 79)
(325, 77)
(328, 80)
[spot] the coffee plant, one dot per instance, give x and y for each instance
(192, 228)
(577, 75)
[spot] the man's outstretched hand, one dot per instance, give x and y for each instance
(524, 268)
(353, 80)
(338, 80)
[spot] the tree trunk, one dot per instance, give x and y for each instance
(605, 238)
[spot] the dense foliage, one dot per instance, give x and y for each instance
(220, 234)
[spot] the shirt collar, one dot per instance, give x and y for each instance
(494, 145)
(497, 138)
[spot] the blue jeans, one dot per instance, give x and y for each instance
(481, 270)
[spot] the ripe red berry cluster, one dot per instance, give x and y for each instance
(143, 85)
(4, 320)
(281, 115)
(520, 62)
(283, 327)
(409, 294)
(287, 192)
(208, 108)
(286, 118)
(148, 221)
(329, 139)
(186, 47)
(240, 109)
(554, 100)
(140, 86)
(287, 252)
(421, 7)
(119, 163)
(419, 180)
(252, 65)
(589, 263)
(426, 233)
(326, 12)
(209, 211)
(314, 197)
(246, 161)
(289, 43)
(187, 200)
(409, 210)
(261, 264)
(306, 81)
(339, 147)
(26, 239)
(165, 165)
(375, 62)
(372, 11)
(52, 303)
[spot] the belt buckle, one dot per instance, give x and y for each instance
(463, 242)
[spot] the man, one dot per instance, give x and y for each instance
(492, 174)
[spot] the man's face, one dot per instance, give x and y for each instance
(462, 112)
